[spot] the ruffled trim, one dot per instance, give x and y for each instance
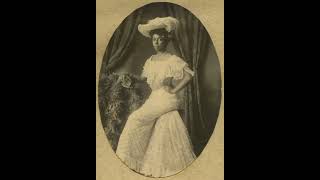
(187, 69)
(161, 171)
(174, 67)
(154, 171)
(132, 163)
(177, 69)
(146, 66)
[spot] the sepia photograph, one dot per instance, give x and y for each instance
(159, 89)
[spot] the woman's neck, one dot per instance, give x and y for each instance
(161, 52)
(160, 56)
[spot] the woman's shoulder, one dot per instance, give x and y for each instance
(177, 60)
(148, 60)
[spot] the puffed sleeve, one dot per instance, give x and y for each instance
(145, 68)
(177, 69)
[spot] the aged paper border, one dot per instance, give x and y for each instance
(210, 164)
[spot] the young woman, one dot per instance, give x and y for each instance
(155, 141)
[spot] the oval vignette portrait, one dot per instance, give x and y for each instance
(159, 89)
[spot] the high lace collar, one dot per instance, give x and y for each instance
(161, 57)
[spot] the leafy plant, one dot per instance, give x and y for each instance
(119, 96)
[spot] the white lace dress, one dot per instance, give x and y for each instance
(155, 141)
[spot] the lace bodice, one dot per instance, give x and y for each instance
(157, 68)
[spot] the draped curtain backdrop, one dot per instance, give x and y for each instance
(121, 42)
(191, 41)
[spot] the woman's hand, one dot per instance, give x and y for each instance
(167, 81)
(182, 83)
(168, 89)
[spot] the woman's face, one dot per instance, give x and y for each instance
(159, 42)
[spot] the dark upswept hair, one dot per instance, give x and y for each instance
(160, 31)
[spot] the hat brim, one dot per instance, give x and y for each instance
(145, 29)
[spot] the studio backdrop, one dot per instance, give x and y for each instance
(128, 50)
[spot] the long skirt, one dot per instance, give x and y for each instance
(155, 141)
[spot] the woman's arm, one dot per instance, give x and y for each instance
(181, 84)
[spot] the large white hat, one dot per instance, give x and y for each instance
(168, 23)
